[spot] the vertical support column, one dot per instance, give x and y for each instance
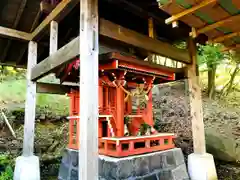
(27, 165)
(199, 161)
(195, 102)
(30, 104)
(120, 112)
(53, 37)
(89, 48)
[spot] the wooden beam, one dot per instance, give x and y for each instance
(89, 51)
(195, 102)
(30, 103)
(113, 31)
(215, 25)
(61, 10)
(57, 59)
(48, 88)
(46, 7)
(225, 37)
(195, 8)
(15, 24)
(133, 8)
(233, 47)
(53, 37)
(119, 33)
(12, 33)
(23, 50)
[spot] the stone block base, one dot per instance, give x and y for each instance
(162, 165)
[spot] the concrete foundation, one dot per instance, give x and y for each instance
(27, 168)
(202, 167)
(163, 165)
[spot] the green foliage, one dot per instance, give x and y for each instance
(13, 92)
(7, 174)
(11, 73)
(210, 54)
(7, 162)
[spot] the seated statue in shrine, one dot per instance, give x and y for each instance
(142, 97)
(139, 93)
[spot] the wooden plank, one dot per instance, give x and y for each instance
(225, 37)
(59, 58)
(233, 47)
(89, 50)
(114, 31)
(24, 49)
(61, 10)
(48, 88)
(53, 37)
(15, 24)
(12, 33)
(217, 24)
(30, 103)
(119, 33)
(178, 16)
(190, 19)
(195, 102)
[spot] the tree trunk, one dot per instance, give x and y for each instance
(229, 85)
(211, 80)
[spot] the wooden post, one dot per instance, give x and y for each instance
(151, 30)
(195, 102)
(30, 104)
(151, 34)
(89, 50)
(53, 37)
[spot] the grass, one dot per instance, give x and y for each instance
(13, 93)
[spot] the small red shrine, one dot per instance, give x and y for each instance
(123, 130)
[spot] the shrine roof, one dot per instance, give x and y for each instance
(111, 63)
(217, 19)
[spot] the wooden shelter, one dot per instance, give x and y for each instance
(134, 27)
(217, 19)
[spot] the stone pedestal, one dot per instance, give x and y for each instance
(163, 165)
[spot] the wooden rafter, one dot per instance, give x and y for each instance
(15, 24)
(34, 25)
(215, 25)
(131, 7)
(56, 14)
(12, 33)
(225, 37)
(176, 17)
(233, 47)
(59, 12)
